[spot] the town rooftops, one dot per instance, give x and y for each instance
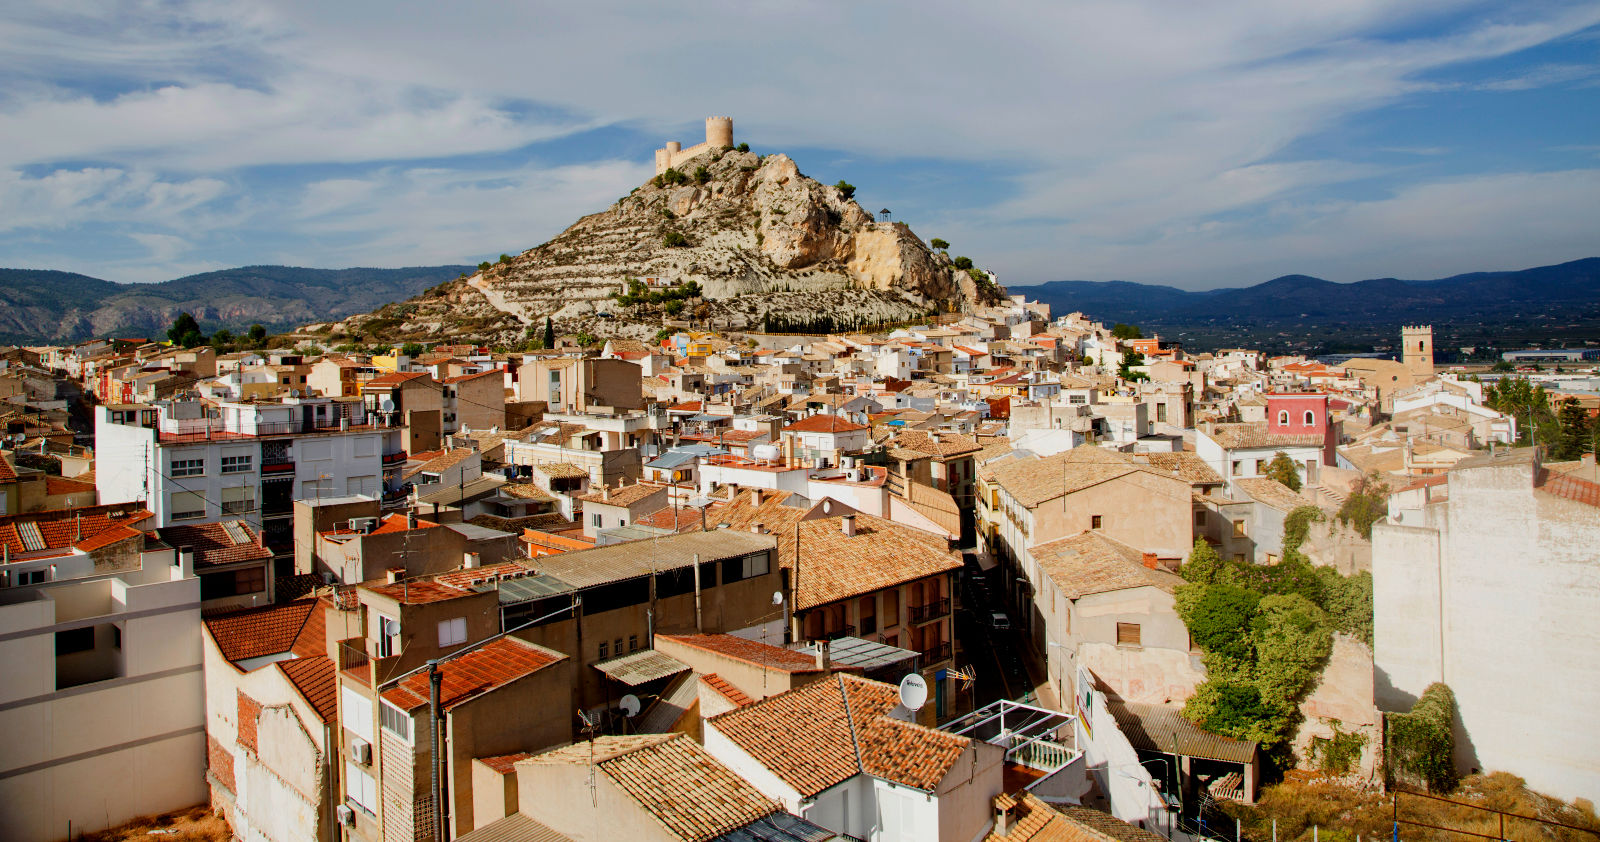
(569, 571)
(417, 591)
(469, 676)
(936, 443)
(1271, 492)
(399, 523)
(623, 496)
(397, 378)
(1254, 434)
(813, 739)
(1033, 820)
(59, 531)
(1091, 563)
(1033, 481)
(672, 778)
(881, 554)
(269, 630)
(561, 470)
(214, 544)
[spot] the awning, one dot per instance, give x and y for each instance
(641, 667)
(1164, 729)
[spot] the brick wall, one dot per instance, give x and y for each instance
(220, 762)
(249, 712)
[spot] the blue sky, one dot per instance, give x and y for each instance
(1197, 145)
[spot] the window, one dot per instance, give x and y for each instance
(1238, 529)
(616, 646)
(1199, 520)
(75, 640)
(1238, 557)
(233, 583)
(1272, 559)
(1095, 521)
(605, 649)
(395, 721)
(360, 787)
(187, 505)
(238, 500)
(745, 567)
(633, 643)
(1128, 634)
(1161, 412)
(33, 577)
(236, 464)
(1283, 417)
(1261, 467)
(388, 636)
(1237, 468)
(597, 521)
(453, 632)
(1311, 418)
(188, 467)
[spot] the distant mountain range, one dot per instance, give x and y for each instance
(1568, 291)
(49, 306)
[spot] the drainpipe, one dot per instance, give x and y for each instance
(330, 819)
(435, 678)
(698, 626)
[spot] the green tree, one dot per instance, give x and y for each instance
(1232, 709)
(484, 266)
(258, 334)
(1130, 360)
(963, 263)
(743, 147)
(701, 175)
(1577, 432)
(1292, 641)
(549, 333)
(939, 244)
(1218, 617)
(584, 339)
(1284, 470)
(1203, 566)
(846, 189)
(673, 307)
(1126, 331)
(222, 339)
(505, 258)
(185, 331)
(675, 239)
(1420, 744)
(412, 349)
(1366, 505)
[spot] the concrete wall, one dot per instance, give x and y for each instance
(1342, 702)
(530, 714)
(558, 796)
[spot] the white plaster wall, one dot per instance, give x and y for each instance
(750, 769)
(121, 454)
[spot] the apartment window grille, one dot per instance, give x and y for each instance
(236, 464)
(395, 721)
(188, 467)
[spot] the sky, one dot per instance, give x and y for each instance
(1191, 144)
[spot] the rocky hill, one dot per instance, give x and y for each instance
(763, 243)
(48, 306)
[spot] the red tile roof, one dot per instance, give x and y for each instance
(253, 632)
(504, 764)
(726, 690)
(398, 523)
(54, 485)
(823, 424)
(6, 471)
(460, 378)
(213, 545)
(417, 591)
(395, 378)
(82, 527)
(317, 679)
(480, 671)
(1570, 487)
(750, 651)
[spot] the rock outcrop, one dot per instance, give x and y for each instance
(758, 237)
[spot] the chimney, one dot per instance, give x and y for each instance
(605, 493)
(394, 574)
(823, 658)
(411, 520)
(1150, 560)
(471, 561)
(847, 525)
(1002, 816)
(757, 528)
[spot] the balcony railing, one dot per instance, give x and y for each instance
(842, 631)
(935, 654)
(278, 467)
(931, 611)
(238, 507)
(394, 458)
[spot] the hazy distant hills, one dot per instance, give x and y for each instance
(1567, 289)
(48, 306)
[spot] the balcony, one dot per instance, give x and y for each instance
(842, 631)
(395, 458)
(237, 507)
(931, 611)
(935, 654)
(285, 467)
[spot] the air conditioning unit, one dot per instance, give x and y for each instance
(363, 524)
(347, 816)
(361, 751)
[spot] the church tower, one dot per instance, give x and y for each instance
(1417, 350)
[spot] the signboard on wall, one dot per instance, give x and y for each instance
(1084, 701)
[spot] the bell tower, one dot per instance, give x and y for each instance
(1417, 350)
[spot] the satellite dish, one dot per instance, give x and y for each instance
(387, 405)
(913, 691)
(777, 597)
(630, 705)
(699, 501)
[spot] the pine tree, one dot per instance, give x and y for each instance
(549, 333)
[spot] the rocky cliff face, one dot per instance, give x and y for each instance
(757, 236)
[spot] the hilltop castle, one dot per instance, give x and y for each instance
(719, 134)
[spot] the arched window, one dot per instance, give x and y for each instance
(1283, 417)
(1311, 418)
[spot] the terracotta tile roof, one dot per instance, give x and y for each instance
(626, 495)
(464, 577)
(395, 378)
(504, 764)
(398, 523)
(1570, 487)
(1033, 481)
(317, 679)
(7, 473)
(675, 780)
(461, 378)
(725, 689)
(54, 485)
(1254, 434)
(881, 554)
(561, 470)
(808, 739)
(59, 529)
(948, 444)
(473, 674)
(214, 543)
(1273, 493)
(1091, 563)
(823, 424)
(269, 630)
(750, 651)
(1187, 465)
(527, 491)
(1032, 820)
(417, 591)
(443, 462)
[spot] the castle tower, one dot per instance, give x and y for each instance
(1416, 343)
(719, 132)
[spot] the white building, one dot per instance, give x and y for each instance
(188, 463)
(103, 703)
(1493, 590)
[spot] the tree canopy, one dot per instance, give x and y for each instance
(185, 331)
(1126, 331)
(1284, 470)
